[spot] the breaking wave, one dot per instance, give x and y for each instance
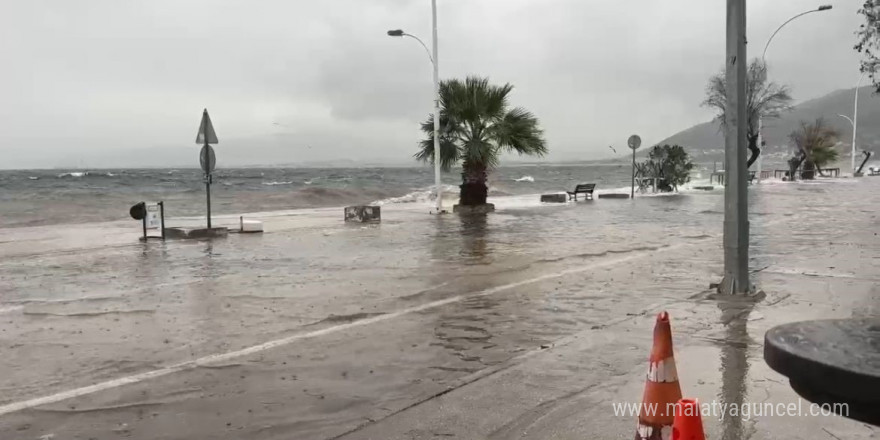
(529, 179)
(277, 183)
(423, 195)
(80, 174)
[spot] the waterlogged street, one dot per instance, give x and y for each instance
(529, 323)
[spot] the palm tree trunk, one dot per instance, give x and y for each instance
(473, 187)
(809, 170)
(753, 149)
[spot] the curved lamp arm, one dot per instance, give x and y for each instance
(400, 33)
(819, 9)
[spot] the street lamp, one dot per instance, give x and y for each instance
(435, 63)
(855, 120)
(764, 60)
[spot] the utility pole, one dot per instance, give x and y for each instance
(736, 198)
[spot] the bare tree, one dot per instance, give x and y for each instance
(765, 100)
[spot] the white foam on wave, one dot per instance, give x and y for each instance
(73, 174)
(79, 174)
(277, 183)
(423, 195)
(529, 179)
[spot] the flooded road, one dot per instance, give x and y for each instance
(522, 324)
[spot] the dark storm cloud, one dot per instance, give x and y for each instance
(84, 82)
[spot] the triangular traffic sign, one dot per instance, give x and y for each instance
(206, 129)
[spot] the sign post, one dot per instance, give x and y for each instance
(207, 159)
(634, 143)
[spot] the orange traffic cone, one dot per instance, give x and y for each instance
(662, 390)
(688, 423)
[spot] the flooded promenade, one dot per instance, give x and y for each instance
(527, 323)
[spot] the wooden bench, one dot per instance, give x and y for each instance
(582, 188)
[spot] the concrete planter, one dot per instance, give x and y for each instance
(194, 233)
(613, 196)
(363, 214)
(554, 198)
(474, 209)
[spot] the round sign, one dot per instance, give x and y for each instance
(207, 159)
(139, 211)
(634, 142)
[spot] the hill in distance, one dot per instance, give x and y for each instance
(706, 141)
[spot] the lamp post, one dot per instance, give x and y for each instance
(435, 63)
(764, 60)
(855, 120)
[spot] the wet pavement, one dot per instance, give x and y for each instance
(527, 323)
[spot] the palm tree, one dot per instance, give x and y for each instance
(476, 127)
(816, 143)
(765, 99)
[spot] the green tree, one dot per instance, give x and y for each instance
(670, 164)
(869, 39)
(477, 125)
(765, 100)
(817, 143)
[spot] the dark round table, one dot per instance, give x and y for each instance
(831, 362)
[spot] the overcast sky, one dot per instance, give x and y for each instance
(120, 83)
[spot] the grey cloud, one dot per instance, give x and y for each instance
(88, 81)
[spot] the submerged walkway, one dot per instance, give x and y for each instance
(511, 326)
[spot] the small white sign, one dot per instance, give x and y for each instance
(154, 218)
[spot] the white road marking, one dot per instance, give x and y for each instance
(10, 309)
(222, 357)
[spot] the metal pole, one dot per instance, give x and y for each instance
(436, 61)
(855, 121)
(632, 191)
(162, 217)
(736, 220)
(208, 180)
